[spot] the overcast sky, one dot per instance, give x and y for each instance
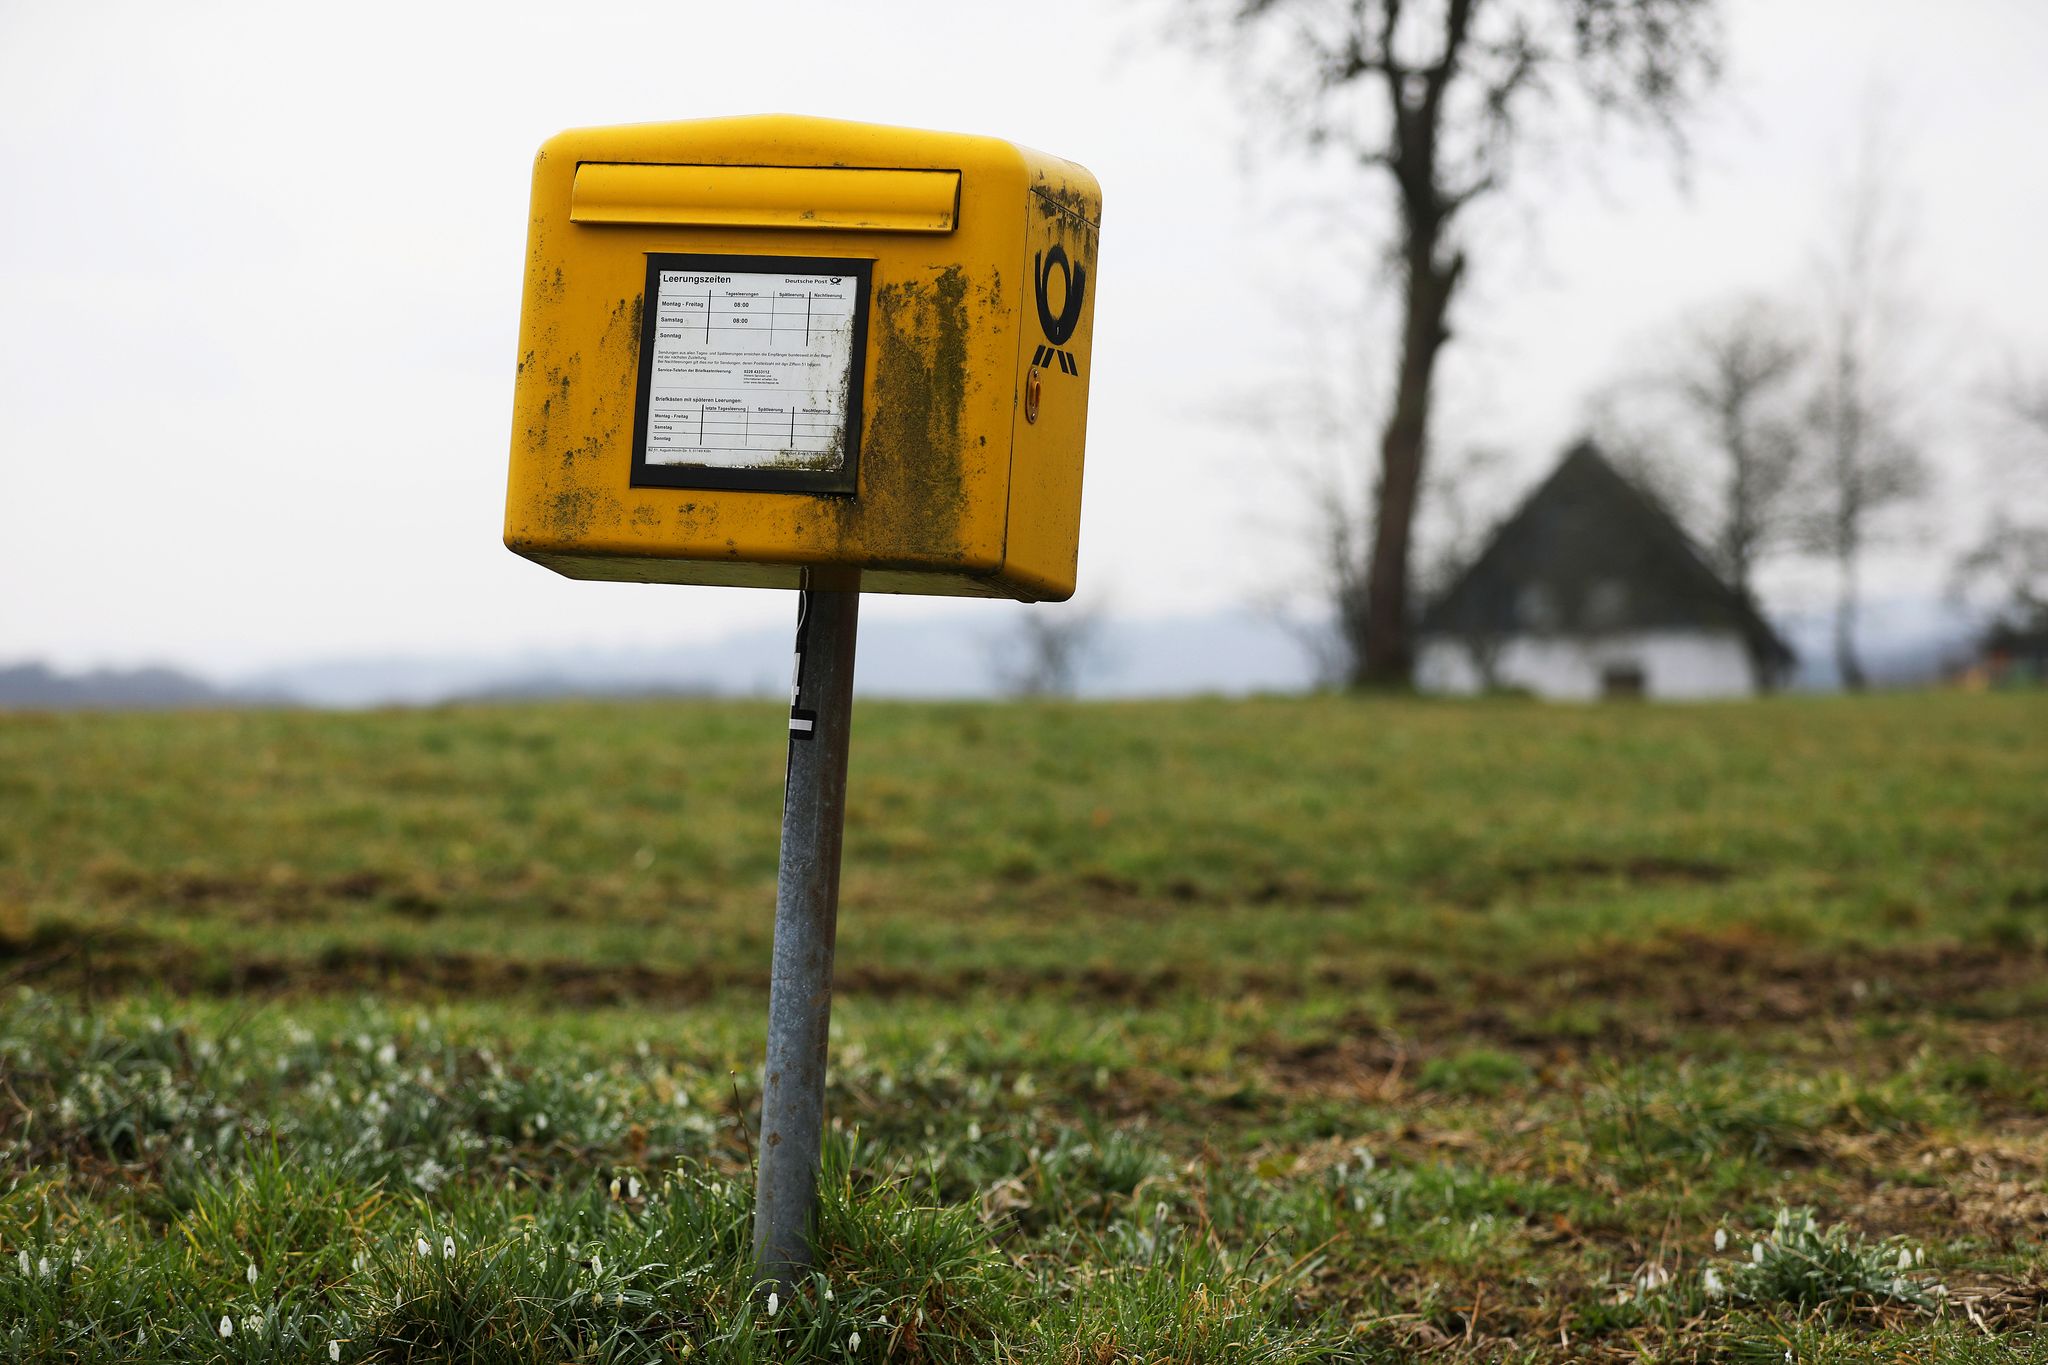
(260, 279)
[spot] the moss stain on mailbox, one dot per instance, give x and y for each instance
(914, 458)
(757, 349)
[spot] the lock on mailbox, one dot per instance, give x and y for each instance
(779, 352)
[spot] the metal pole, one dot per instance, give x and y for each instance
(806, 919)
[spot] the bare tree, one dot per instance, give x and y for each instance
(2009, 569)
(1047, 652)
(1437, 95)
(1738, 385)
(1720, 408)
(2006, 572)
(1867, 463)
(1310, 421)
(1458, 509)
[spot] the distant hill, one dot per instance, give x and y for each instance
(1229, 652)
(557, 686)
(38, 687)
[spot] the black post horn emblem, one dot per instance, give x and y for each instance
(1074, 284)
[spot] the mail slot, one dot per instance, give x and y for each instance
(766, 196)
(779, 352)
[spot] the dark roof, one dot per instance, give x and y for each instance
(1590, 553)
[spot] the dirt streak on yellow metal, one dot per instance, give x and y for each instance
(958, 492)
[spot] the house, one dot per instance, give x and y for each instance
(2011, 655)
(1591, 590)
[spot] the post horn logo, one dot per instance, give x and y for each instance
(1073, 283)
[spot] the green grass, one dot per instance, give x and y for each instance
(1272, 1031)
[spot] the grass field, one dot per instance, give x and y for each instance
(1269, 1031)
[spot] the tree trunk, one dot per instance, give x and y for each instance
(1385, 657)
(1847, 661)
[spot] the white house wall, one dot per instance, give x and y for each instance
(1676, 665)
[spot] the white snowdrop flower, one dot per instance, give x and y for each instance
(360, 1260)
(1919, 1255)
(632, 1187)
(974, 1131)
(540, 1122)
(43, 1266)
(1358, 1203)
(253, 1323)
(774, 1303)
(853, 1342)
(1756, 1252)
(387, 1054)
(447, 1248)
(227, 1326)
(421, 1247)
(1653, 1277)
(252, 1272)
(828, 1293)
(1905, 1259)
(334, 1350)
(1379, 1218)
(1720, 1239)
(21, 1259)
(1712, 1283)
(617, 1184)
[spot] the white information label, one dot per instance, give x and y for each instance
(751, 370)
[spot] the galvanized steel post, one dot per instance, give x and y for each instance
(806, 921)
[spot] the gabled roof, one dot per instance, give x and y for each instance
(1588, 553)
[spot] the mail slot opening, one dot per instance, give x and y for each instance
(831, 198)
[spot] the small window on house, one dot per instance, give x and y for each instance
(1623, 682)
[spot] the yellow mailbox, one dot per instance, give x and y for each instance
(779, 352)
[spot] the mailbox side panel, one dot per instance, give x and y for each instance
(931, 503)
(1062, 237)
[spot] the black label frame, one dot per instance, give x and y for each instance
(845, 479)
